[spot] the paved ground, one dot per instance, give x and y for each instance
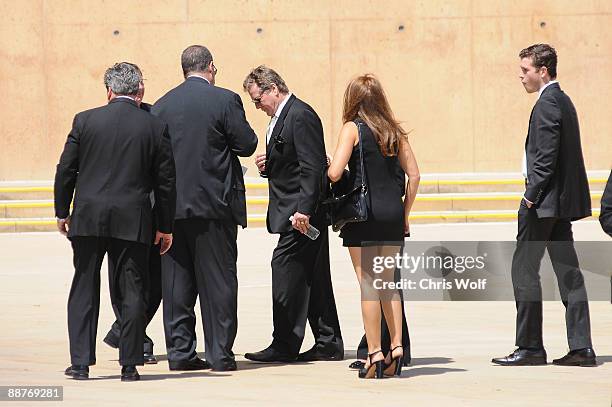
(452, 341)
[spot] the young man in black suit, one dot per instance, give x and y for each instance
(556, 193)
(301, 283)
(605, 217)
(153, 290)
(209, 131)
(115, 156)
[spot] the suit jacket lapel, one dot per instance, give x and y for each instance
(278, 127)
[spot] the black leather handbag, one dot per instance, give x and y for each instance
(349, 205)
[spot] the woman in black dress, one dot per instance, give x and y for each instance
(387, 157)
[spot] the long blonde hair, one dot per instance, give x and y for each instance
(365, 98)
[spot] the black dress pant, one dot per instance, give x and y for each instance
(153, 296)
(302, 289)
(201, 261)
(535, 235)
(126, 283)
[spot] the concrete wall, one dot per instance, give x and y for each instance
(450, 73)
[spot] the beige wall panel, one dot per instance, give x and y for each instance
(442, 8)
(585, 74)
(22, 107)
(76, 58)
(306, 43)
(298, 51)
(452, 79)
(398, 10)
(257, 10)
(424, 71)
(20, 12)
(115, 12)
(507, 8)
(501, 105)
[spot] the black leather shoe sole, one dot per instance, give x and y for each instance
(228, 367)
(130, 378)
(318, 357)
(522, 362)
(358, 364)
(582, 363)
(273, 359)
(187, 366)
(150, 360)
(76, 375)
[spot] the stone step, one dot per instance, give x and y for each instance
(259, 220)
(430, 184)
(43, 208)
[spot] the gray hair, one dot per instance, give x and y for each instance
(195, 58)
(123, 78)
(264, 77)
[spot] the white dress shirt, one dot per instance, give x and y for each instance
(274, 118)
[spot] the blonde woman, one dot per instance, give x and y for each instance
(387, 156)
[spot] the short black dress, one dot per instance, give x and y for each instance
(386, 184)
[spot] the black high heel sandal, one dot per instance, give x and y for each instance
(394, 368)
(375, 370)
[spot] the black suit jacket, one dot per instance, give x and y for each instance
(295, 161)
(114, 157)
(208, 130)
(605, 217)
(557, 179)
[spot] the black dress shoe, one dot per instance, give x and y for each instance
(358, 364)
(129, 374)
(578, 357)
(270, 355)
(225, 366)
(149, 359)
(315, 353)
(523, 357)
(111, 340)
(194, 364)
(78, 372)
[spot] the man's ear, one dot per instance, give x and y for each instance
(109, 94)
(543, 71)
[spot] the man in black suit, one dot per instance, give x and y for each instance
(301, 283)
(605, 217)
(115, 155)
(153, 282)
(209, 131)
(556, 193)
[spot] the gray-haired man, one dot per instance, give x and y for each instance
(118, 153)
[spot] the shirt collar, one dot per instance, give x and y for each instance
(125, 97)
(545, 86)
(191, 75)
(280, 107)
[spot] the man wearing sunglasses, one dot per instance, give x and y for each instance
(301, 284)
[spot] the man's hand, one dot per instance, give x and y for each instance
(166, 241)
(260, 162)
(529, 204)
(300, 222)
(63, 225)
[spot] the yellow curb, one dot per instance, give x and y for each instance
(264, 185)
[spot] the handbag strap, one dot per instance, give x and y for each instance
(364, 187)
